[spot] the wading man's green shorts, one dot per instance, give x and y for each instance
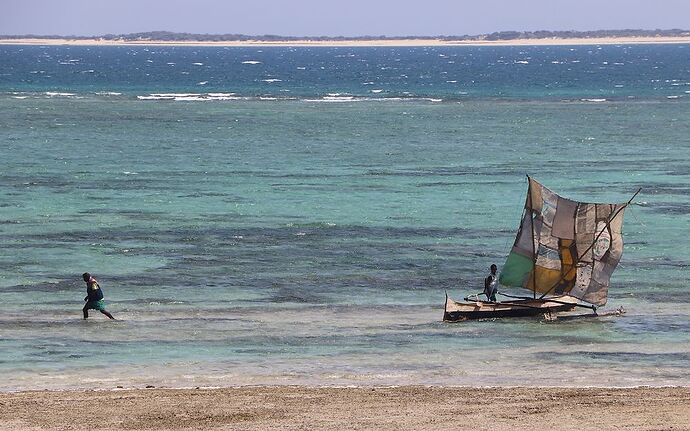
(95, 305)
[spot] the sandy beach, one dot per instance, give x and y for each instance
(292, 408)
(354, 43)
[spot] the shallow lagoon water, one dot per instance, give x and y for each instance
(308, 236)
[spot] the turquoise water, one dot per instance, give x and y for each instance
(297, 217)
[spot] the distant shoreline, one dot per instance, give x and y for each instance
(356, 42)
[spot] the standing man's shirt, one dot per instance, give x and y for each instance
(93, 290)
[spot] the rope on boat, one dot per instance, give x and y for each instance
(475, 298)
(590, 307)
(512, 296)
(512, 304)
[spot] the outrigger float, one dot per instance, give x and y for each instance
(564, 253)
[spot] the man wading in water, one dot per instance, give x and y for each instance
(94, 297)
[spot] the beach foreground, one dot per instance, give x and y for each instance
(290, 407)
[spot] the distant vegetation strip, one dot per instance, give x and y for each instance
(168, 36)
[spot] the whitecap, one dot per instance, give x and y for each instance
(332, 99)
(57, 94)
(339, 98)
(430, 99)
(198, 64)
(226, 98)
(452, 81)
(376, 91)
(272, 80)
(593, 100)
(170, 64)
(189, 99)
(108, 93)
(251, 62)
(521, 62)
(672, 97)
(19, 97)
(167, 96)
(202, 83)
(130, 173)
(301, 68)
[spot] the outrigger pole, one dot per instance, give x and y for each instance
(579, 258)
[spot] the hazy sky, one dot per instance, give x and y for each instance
(336, 18)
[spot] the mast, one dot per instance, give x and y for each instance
(579, 258)
(531, 225)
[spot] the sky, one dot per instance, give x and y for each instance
(335, 18)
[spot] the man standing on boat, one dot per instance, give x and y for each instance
(491, 284)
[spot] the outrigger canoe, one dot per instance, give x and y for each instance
(564, 252)
(455, 311)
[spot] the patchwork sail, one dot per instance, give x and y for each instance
(565, 247)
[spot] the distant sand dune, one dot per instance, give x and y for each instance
(353, 43)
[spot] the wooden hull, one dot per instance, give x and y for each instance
(458, 311)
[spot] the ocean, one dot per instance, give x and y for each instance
(270, 216)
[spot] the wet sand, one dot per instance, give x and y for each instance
(293, 408)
